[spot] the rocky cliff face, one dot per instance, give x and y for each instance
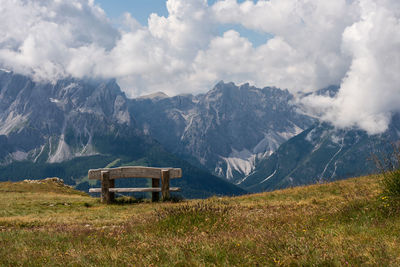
(227, 129)
(57, 122)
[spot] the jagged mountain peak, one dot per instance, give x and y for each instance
(56, 121)
(225, 129)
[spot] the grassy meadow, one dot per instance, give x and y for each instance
(345, 223)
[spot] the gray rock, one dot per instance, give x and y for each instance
(227, 130)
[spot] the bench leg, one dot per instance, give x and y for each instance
(112, 194)
(155, 196)
(105, 187)
(165, 185)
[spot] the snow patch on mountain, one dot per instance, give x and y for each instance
(268, 145)
(272, 140)
(240, 161)
(41, 150)
(70, 86)
(269, 177)
(53, 100)
(65, 152)
(123, 117)
(189, 117)
(19, 155)
(329, 162)
(62, 153)
(87, 150)
(244, 162)
(12, 123)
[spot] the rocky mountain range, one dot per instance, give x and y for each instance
(44, 122)
(67, 127)
(227, 130)
(254, 138)
(260, 139)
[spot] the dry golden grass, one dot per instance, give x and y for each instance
(337, 224)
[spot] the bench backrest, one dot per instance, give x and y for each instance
(135, 172)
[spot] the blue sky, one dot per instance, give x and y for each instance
(141, 9)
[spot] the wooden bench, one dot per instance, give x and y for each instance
(108, 176)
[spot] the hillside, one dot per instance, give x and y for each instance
(340, 223)
(322, 153)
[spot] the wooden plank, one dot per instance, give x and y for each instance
(165, 184)
(133, 190)
(105, 187)
(112, 194)
(134, 172)
(155, 196)
(175, 173)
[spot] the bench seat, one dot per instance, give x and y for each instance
(160, 178)
(128, 190)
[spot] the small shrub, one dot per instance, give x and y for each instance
(87, 205)
(391, 183)
(389, 166)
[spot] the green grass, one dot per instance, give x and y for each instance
(337, 224)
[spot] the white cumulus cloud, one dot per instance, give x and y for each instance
(370, 91)
(351, 43)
